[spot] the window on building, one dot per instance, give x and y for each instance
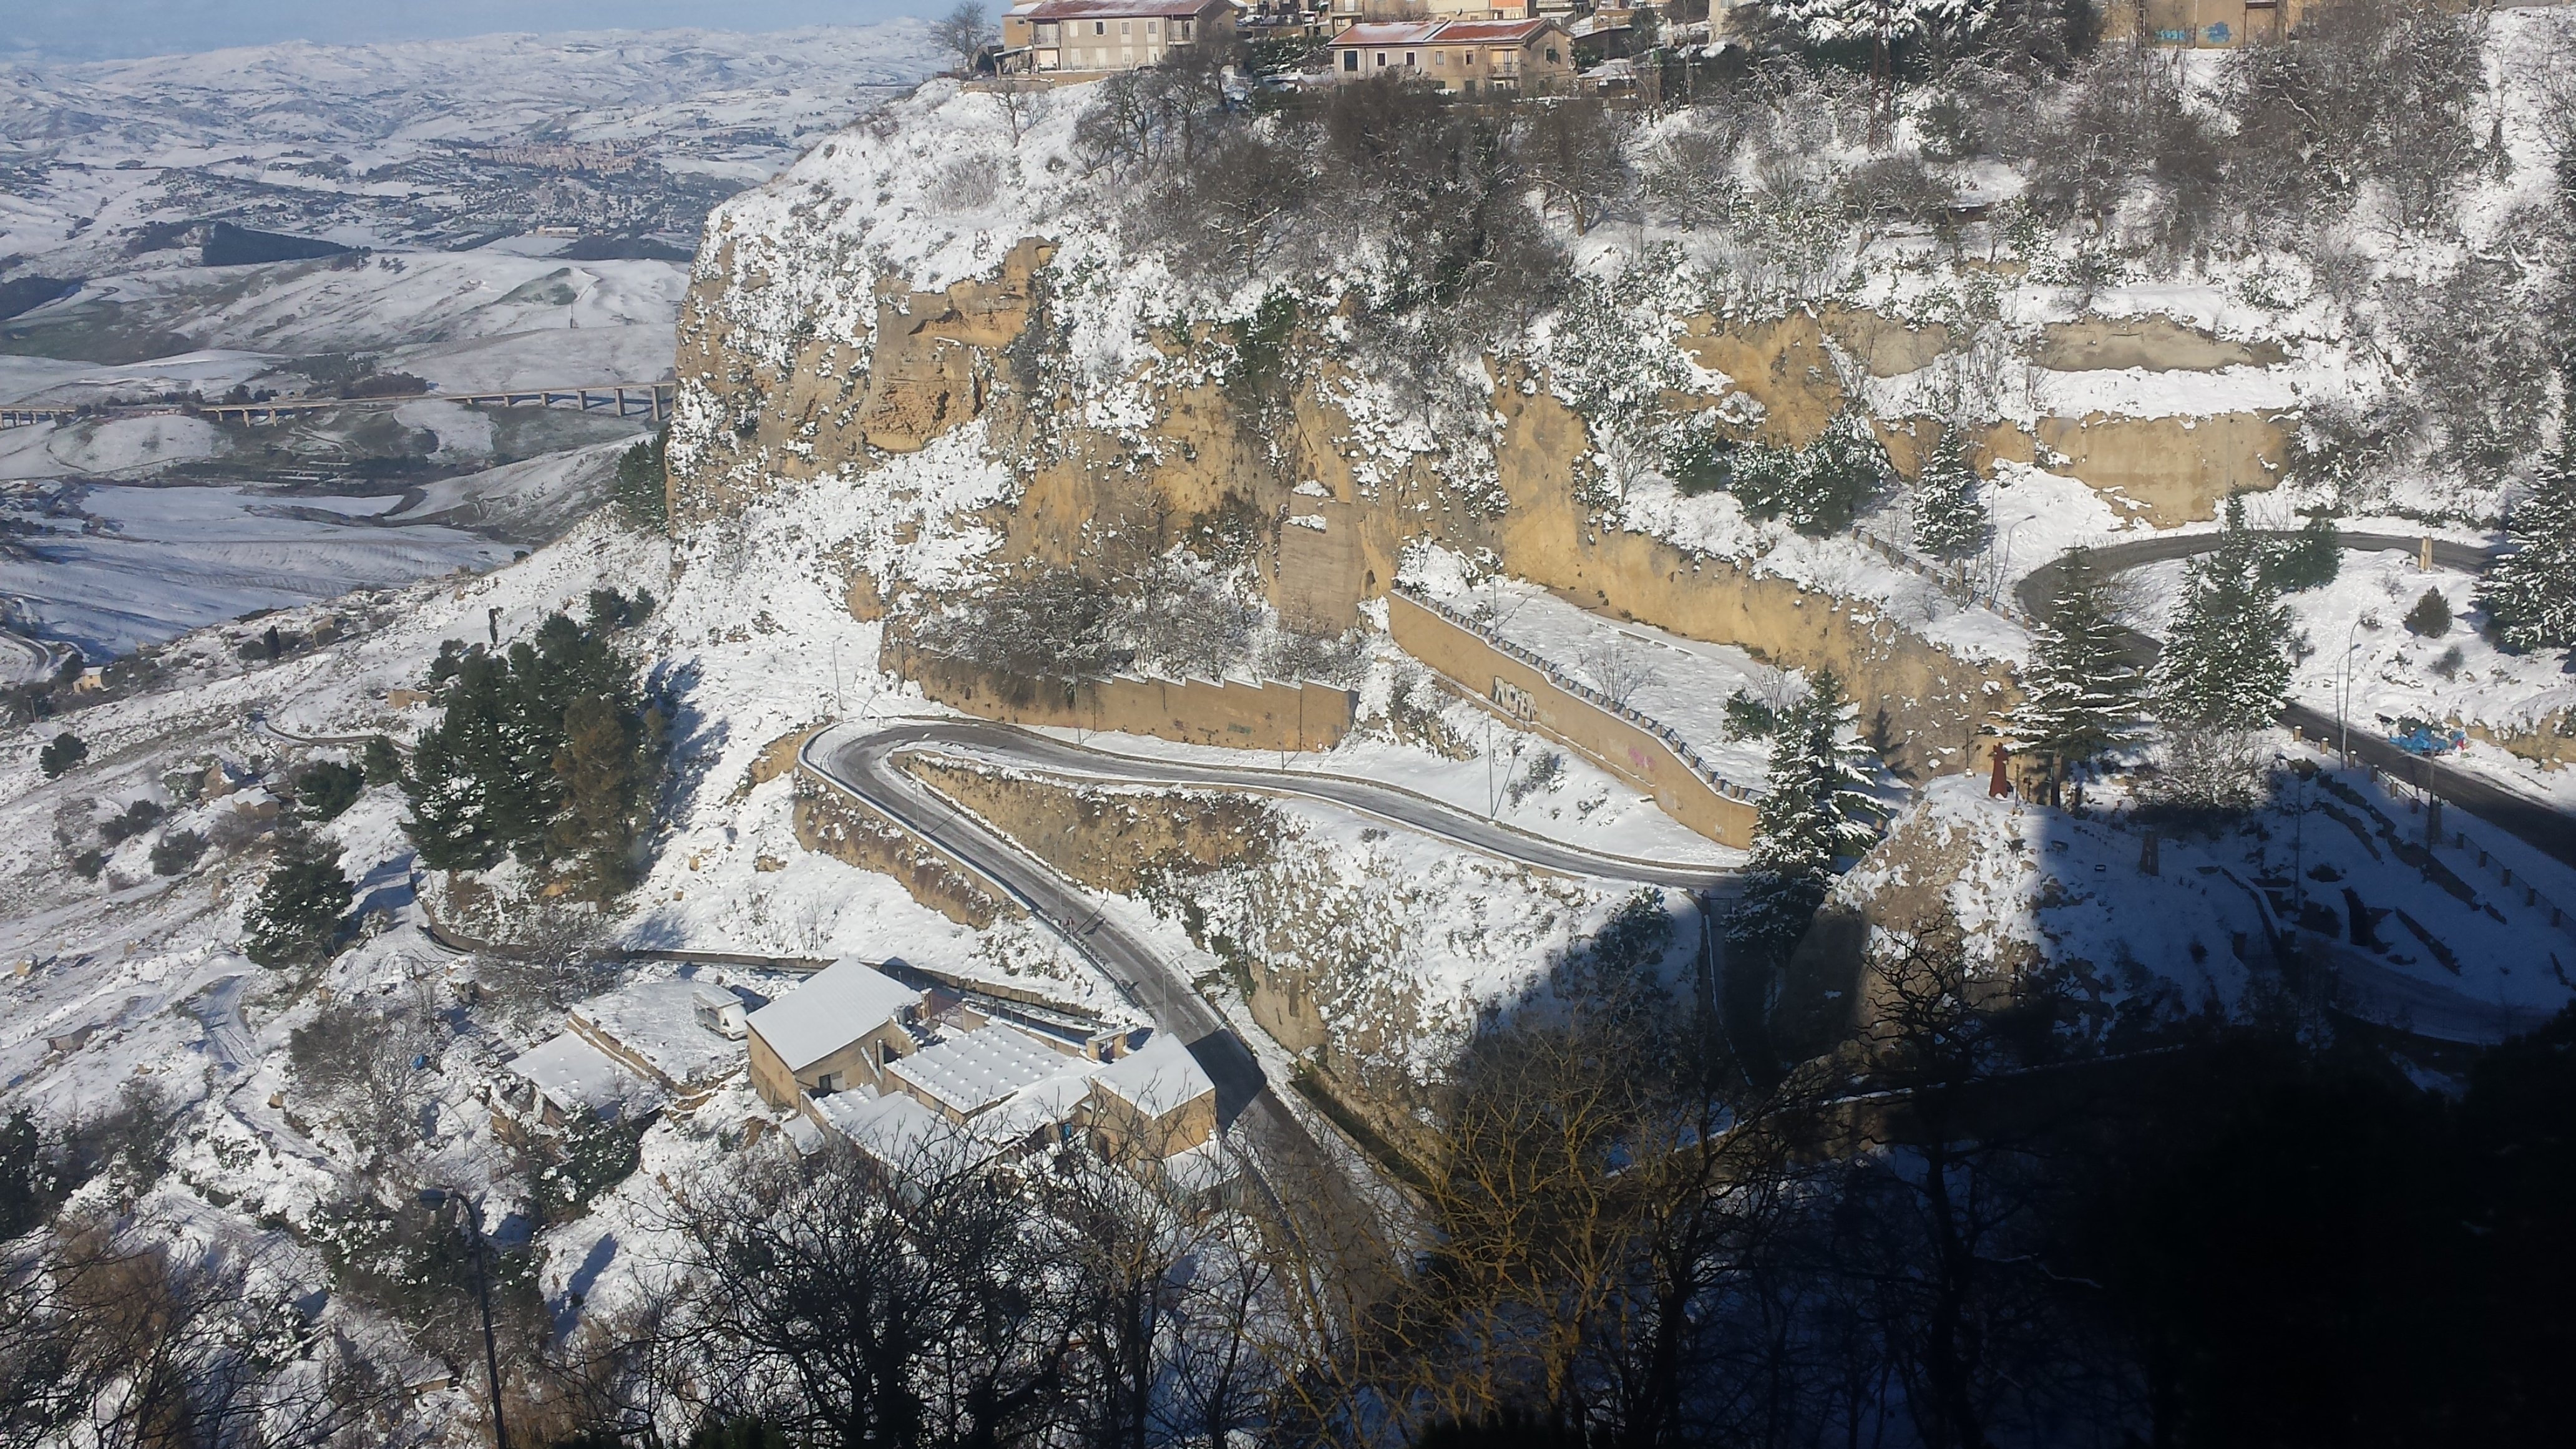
(1122, 29)
(1100, 27)
(1440, 58)
(1350, 60)
(1408, 58)
(1551, 55)
(1381, 60)
(1149, 27)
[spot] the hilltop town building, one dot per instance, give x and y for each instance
(1468, 56)
(1076, 37)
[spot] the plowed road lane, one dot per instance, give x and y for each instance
(2536, 822)
(863, 762)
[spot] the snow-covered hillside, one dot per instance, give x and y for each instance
(366, 143)
(114, 168)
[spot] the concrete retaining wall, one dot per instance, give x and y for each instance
(1271, 716)
(1627, 747)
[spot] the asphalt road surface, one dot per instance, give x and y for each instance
(864, 763)
(2535, 822)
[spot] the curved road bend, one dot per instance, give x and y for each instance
(2535, 822)
(864, 765)
(1026, 749)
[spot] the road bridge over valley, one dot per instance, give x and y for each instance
(649, 400)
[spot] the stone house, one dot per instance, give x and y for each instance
(2203, 24)
(1153, 1103)
(838, 1031)
(1094, 37)
(1526, 57)
(1343, 14)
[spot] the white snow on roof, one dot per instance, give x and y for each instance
(846, 1001)
(1158, 1078)
(975, 1069)
(577, 1076)
(899, 1132)
(1054, 1100)
(658, 1022)
(1204, 1168)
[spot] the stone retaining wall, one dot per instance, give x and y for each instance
(1626, 744)
(1269, 716)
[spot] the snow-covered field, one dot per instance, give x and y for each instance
(368, 146)
(120, 143)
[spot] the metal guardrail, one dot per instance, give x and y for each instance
(1672, 740)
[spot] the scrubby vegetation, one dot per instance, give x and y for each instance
(298, 916)
(547, 751)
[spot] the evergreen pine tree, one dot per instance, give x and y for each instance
(601, 767)
(2531, 592)
(2226, 665)
(296, 919)
(2080, 691)
(2310, 560)
(27, 1179)
(328, 788)
(1817, 811)
(544, 751)
(453, 823)
(638, 490)
(61, 754)
(1950, 520)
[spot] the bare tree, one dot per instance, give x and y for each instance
(130, 1347)
(1019, 98)
(1574, 151)
(865, 1306)
(965, 33)
(1619, 667)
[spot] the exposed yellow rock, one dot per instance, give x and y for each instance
(2177, 470)
(2155, 343)
(1782, 364)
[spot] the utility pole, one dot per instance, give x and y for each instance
(2298, 841)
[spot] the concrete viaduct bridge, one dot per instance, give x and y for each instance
(619, 399)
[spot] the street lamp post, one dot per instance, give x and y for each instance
(2298, 844)
(436, 1200)
(2343, 691)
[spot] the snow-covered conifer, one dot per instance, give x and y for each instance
(2531, 592)
(1818, 811)
(2225, 664)
(2080, 691)
(1950, 520)
(1865, 22)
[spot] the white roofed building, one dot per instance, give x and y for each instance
(682, 1032)
(1154, 1102)
(570, 1076)
(967, 1072)
(841, 1029)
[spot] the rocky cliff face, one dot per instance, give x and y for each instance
(890, 302)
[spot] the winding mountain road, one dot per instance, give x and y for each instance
(865, 763)
(2537, 823)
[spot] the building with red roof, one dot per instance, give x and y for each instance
(1528, 56)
